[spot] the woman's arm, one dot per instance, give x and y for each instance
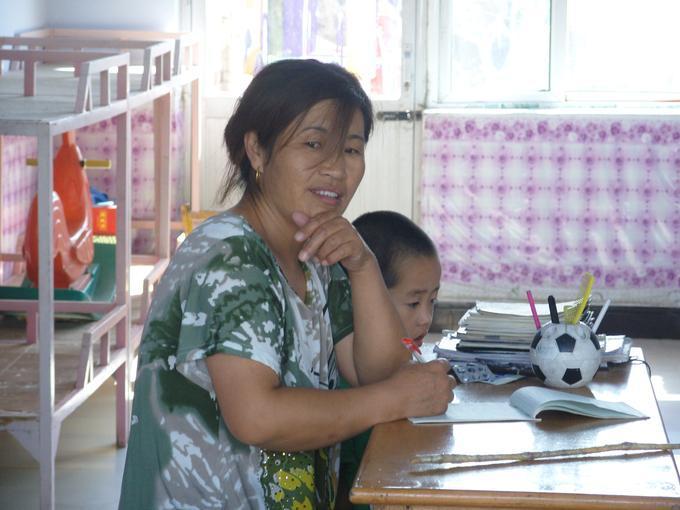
(375, 345)
(261, 412)
(344, 357)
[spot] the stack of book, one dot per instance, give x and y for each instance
(505, 326)
(499, 335)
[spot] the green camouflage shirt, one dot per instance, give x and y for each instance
(223, 292)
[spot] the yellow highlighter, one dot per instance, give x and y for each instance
(572, 315)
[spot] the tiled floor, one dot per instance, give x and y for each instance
(89, 466)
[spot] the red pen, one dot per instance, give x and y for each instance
(412, 346)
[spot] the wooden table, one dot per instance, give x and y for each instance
(387, 479)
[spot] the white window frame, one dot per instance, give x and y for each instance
(556, 95)
(217, 106)
(438, 71)
(196, 12)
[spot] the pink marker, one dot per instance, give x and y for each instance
(532, 305)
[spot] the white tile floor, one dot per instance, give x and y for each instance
(90, 467)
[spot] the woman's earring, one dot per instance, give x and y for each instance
(258, 172)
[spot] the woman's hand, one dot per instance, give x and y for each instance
(375, 352)
(330, 238)
(259, 410)
(422, 389)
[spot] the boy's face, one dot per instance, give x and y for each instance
(415, 293)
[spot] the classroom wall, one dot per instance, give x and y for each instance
(160, 15)
(635, 264)
(17, 16)
(23, 15)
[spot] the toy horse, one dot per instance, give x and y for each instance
(73, 246)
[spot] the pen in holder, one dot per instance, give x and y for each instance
(565, 355)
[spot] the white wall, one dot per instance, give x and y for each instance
(21, 15)
(162, 15)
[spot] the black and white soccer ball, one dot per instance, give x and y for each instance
(565, 355)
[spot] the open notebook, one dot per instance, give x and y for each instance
(526, 403)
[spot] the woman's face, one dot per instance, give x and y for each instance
(415, 293)
(303, 175)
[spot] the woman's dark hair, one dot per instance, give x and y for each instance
(392, 237)
(279, 94)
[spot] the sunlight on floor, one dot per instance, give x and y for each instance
(137, 274)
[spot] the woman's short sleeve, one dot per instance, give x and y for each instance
(233, 305)
(340, 304)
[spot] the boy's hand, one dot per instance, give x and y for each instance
(330, 238)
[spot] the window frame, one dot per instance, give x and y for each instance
(411, 74)
(557, 94)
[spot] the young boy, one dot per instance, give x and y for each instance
(410, 266)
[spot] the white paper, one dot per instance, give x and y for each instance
(534, 399)
(475, 412)
(526, 403)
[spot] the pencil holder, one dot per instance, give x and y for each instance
(565, 355)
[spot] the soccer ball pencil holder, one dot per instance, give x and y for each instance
(565, 355)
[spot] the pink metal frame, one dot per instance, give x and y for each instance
(39, 434)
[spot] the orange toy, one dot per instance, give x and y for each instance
(72, 219)
(104, 220)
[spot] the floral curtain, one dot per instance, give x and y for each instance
(18, 185)
(519, 201)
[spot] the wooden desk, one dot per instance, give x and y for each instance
(388, 480)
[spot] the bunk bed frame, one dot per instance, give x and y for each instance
(70, 103)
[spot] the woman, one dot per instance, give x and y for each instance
(254, 317)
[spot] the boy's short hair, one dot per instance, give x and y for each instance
(391, 236)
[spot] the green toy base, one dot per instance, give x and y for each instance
(100, 287)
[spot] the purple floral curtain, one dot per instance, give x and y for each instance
(521, 201)
(18, 185)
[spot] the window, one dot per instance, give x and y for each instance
(623, 47)
(362, 35)
(559, 50)
(494, 45)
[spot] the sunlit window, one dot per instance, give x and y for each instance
(559, 50)
(362, 35)
(623, 46)
(494, 44)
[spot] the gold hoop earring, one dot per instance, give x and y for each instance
(258, 173)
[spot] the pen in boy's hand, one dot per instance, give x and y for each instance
(411, 345)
